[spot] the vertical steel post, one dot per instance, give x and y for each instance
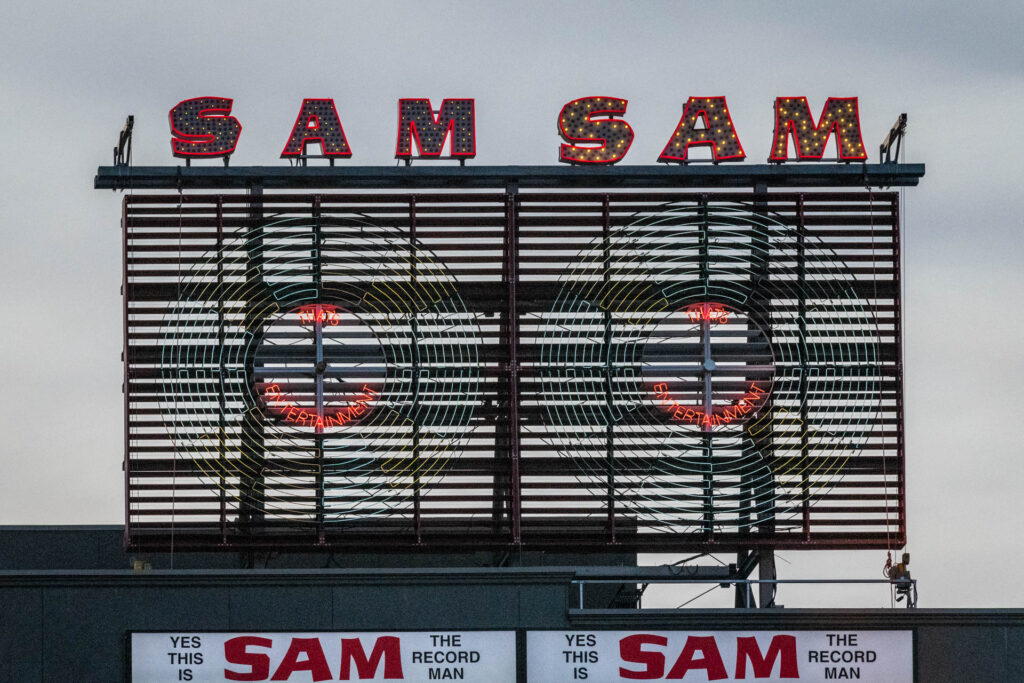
(804, 384)
(763, 440)
(766, 577)
(897, 298)
(126, 379)
(221, 400)
(708, 522)
(253, 473)
(511, 267)
(415, 389)
(741, 596)
(609, 437)
(319, 368)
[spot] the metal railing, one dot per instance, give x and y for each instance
(907, 588)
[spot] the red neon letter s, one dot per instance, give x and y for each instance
(631, 650)
(317, 122)
(235, 652)
(718, 131)
(315, 662)
(416, 120)
(388, 647)
(201, 127)
(762, 665)
(710, 660)
(575, 125)
(793, 117)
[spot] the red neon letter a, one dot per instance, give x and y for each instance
(318, 122)
(718, 131)
(388, 647)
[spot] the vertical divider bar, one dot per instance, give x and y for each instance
(415, 388)
(804, 384)
(126, 356)
(511, 268)
(252, 461)
(221, 401)
(609, 437)
(707, 441)
(318, 330)
(897, 260)
(761, 312)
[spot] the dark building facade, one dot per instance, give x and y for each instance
(69, 600)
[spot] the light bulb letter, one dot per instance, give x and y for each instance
(317, 122)
(706, 121)
(202, 127)
(418, 122)
(793, 118)
(600, 140)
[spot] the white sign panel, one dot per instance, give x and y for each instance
(607, 656)
(485, 656)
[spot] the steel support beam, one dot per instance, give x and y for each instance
(525, 177)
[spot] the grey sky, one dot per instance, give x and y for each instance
(70, 73)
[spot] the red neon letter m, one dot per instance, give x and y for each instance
(762, 665)
(388, 647)
(416, 120)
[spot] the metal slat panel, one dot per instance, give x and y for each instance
(480, 391)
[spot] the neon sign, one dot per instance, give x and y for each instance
(416, 120)
(305, 375)
(717, 132)
(590, 127)
(325, 314)
(716, 314)
(317, 122)
(840, 116)
(694, 372)
(283, 406)
(603, 140)
(751, 400)
(201, 127)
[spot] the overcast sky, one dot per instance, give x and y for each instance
(71, 72)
